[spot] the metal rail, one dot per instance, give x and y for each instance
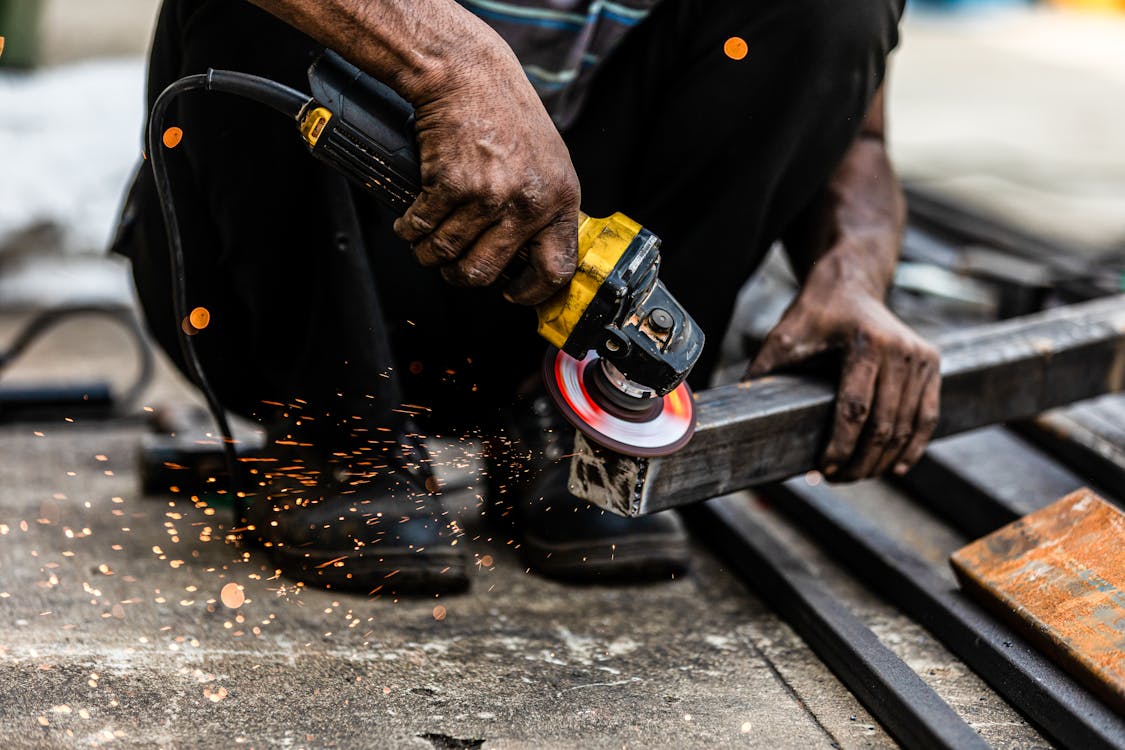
(1089, 438)
(895, 695)
(1047, 696)
(983, 480)
(775, 427)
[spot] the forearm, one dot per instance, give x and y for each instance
(852, 233)
(420, 49)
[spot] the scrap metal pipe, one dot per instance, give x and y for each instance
(775, 427)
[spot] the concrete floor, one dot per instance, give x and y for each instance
(113, 631)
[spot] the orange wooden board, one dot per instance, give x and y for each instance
(1058, 574)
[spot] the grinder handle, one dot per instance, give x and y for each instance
(360, 126)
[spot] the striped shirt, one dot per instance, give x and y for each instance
(561, 42)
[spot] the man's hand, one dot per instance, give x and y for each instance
(845, 246)
(496, 178)
(887, 402)
(496, 175)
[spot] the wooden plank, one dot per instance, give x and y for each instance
(895, 695)
(1044, 693)
(1058, 576)
(775, 427)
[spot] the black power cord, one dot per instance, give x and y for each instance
(287, 101)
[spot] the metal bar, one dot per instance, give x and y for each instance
(775, 427)
(979, 496)
(985, 479)
(1089, 438)
(1047, 696)
(894, 694)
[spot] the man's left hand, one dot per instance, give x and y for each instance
(887, 402)
(845, 247)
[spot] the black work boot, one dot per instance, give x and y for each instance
(343, 521)
(560, 535)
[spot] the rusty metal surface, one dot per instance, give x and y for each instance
(1059, 577)
(775, 427)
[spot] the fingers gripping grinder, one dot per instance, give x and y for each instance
(624, 345)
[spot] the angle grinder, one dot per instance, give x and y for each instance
(623, 345)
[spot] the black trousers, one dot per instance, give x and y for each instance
(315, 303)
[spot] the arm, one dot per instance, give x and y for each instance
(844, 248)
(496, 175)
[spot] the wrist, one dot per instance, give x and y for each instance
(851, 269)
(421, 50)
(455, 60)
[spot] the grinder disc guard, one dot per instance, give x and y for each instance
(664, 430)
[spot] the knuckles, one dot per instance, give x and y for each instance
(881, 435)
(854, 410)
(927, 423)
(415, 225)
(473, 275)
(523, 194)
(442, 247)
(899, 438)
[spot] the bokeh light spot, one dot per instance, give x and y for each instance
(736, 48)
(173, 136)
(232, 595)
(200, 317)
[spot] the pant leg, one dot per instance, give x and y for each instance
(717, 156)
(273, 250)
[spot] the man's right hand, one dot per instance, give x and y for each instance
(496, 177)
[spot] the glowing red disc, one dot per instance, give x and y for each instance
(666, 432)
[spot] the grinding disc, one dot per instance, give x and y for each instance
(668, 430)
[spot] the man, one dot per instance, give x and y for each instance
(721, 126)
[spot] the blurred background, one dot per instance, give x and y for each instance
(1014, 108)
